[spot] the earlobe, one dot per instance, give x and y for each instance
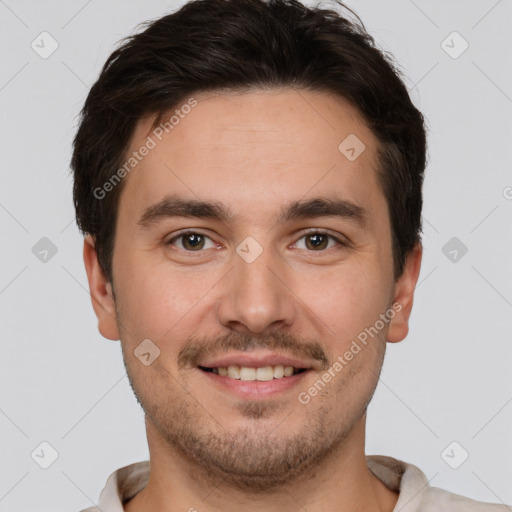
(101, 292)
(404, 295)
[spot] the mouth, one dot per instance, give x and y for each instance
(258, 374)
(247, 373)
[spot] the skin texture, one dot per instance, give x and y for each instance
(210, 449)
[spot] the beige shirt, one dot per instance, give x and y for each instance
(416, 495)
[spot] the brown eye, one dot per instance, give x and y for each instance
(191, 241)
(318, 241)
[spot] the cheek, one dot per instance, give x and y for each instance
(346, 301)
(159, 301)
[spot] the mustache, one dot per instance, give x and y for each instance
(199, 348)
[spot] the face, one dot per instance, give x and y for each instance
(285, 267)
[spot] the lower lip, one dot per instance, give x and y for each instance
(255, 388)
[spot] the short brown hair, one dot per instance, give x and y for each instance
(236, 44)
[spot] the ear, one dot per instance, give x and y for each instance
(404, 294)
(101, 292)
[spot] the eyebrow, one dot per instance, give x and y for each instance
(174, 206)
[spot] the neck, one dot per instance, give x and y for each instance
(341, 481)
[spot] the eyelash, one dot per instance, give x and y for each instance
(308, 233)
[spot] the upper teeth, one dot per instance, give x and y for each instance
(263, 373)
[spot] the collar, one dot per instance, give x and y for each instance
(124, 483)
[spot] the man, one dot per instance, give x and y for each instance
(248, 177)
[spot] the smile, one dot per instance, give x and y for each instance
(263, 373)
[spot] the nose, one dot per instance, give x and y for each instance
(256, 296)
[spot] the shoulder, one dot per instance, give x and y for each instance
(415, 492)
(436, 498)
(121, 486)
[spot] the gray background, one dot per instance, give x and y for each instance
(450, 380)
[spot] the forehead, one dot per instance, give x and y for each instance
(278, 144)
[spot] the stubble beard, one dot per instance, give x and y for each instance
(252, 459)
